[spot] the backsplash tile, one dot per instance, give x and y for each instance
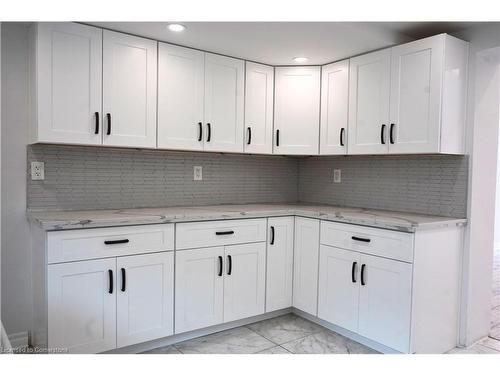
(426, 184)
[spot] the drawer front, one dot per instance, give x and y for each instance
(219, 233)
(80, 244)
(380, 242)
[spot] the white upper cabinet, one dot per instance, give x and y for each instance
(428, 89)
(259, 102)
(334, 108)
(369, 89)
(181, 73)
(66, 76)
(224, 102)
(296, 111)
(129, 90)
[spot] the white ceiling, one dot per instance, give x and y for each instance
(277, 43)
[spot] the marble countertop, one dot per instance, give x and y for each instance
(406, 222)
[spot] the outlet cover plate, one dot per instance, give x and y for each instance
(197, 173)
(337, 176)
(37, 170)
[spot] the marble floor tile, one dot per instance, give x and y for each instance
(491, 343)
(239, 340)
(474, 349)
(275, 350)
(285, 328)
(326, 342)
(163, 350)
(495, 332)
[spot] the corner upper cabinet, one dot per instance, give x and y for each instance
(129, 90)
(259, 104)
(334, 108)
(66, 81)
(296, 110)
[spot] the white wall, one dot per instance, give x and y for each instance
(15, 238)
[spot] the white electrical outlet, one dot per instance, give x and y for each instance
(197, 173)
(37, 170)
(337, 176)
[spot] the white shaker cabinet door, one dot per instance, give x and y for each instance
(334, 108)
(180, 97)
(305, 275)
(369, 91)
(129, 90)
(385, 301)
(199, 288)
(279, 263)
(338, 294)
(67, 73)
(224, 103)
(82, 305)
(244, 281)
(296, 110)
(259, 102)
(145, 297)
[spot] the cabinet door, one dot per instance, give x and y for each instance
(82, 305)
(279, 263)
(339, 287)
(259, 103)
(296, 115)
(369, 90)
(145, 297)
(224, 102)
(334, 108)
(180, 97)
(199, 283)
(244, 281)
(306, 254)
(69, 83)
(129, 90)
(385, 301)
(416, 76)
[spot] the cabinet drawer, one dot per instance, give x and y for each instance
(80, 244)
(219, 233)
(385, 243)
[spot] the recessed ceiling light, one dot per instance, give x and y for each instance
(177, 27)
(300, 59)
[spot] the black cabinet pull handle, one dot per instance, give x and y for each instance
(277, 137)
(249, 135)
(200, 131)
(391, 134)
(353, 271)
(110, 275)
(108, 116)
(363, 274)
(96, 123)
(361, 239)
(382, 134)
(220, 265)
(225, 233)
(209, 133)
(230, 265)
(123, 280)
(272, 235)
(342, 131)
(114, 242)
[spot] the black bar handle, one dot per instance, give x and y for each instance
(277, 137)
(224, 233)
(220, 265)
(96, 123)
(361, 239)
(114, 242)
(353, 271)
(272, 235)
(230, 265)
(108, 116)
(342, 131)
(363, 274)
(209, 133)
(391, 134)
(249, 135)
(110, 275)
(123, 280)
(200, 131)
(382, 134)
